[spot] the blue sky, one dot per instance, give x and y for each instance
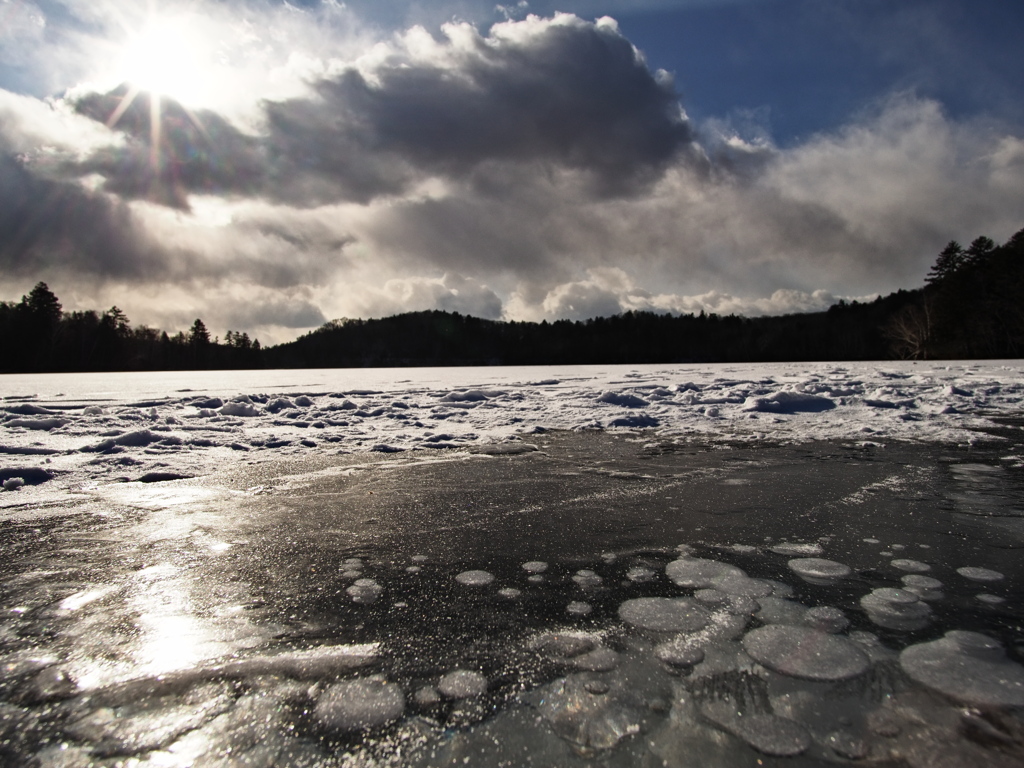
(268, 166)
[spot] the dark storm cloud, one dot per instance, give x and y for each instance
(191, 152)
(48, 225)
(555, 92)
(562, 91)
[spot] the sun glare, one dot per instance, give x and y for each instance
(165, 58)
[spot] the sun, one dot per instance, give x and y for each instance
(166, 57)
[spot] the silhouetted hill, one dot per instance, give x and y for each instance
(845, 332)
(972, 306)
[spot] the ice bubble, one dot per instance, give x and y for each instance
(413, 569)
(896, 609)
(827, 619)
(679, 653)
(664, 614)
(911, 566)
(353, 562)
(562, 645)
(427, 696)
(980, 574)
(815, 570)
(359, 704)
(990, 599)
(847, 745)
(510, 593)
(462, 684)
(805, 653)
(419, 558)
(737, 605)
(779, 589)
(768, 734)
(775, 610)
(474, 578)
(639, 574)
(592, 721)
(925, 587)
(898, 547)
(598, 660)
(351, 574)
(967, 666)
(797, 550)
(535, 566)
(742, 585)
(697, 573)
(13, 483)
(871, 541)
(578, 608)
(872, 646)
(535, 579)
(586, 578)
(364, 591)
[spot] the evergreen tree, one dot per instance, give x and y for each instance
(198, 336)
(950, 259)
(979, 250)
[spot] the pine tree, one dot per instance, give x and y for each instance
(979, 249)
(950, 259)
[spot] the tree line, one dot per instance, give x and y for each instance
(971, 306)
(38, 336)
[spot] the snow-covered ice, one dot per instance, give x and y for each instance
(97, 426)
(298, 580)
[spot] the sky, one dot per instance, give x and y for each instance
(268, 166)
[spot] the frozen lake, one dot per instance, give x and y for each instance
(811, 564)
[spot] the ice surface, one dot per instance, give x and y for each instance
(219, 416)
(761, 672)
(768, 734)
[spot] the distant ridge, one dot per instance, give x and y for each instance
(972, 307)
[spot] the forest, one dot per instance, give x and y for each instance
(970, 307)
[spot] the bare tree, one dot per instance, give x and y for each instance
(909, 332)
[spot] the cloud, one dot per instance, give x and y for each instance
(537, 169)
(555, 91)
(610, 291)
(170, 152)
(450, 293)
